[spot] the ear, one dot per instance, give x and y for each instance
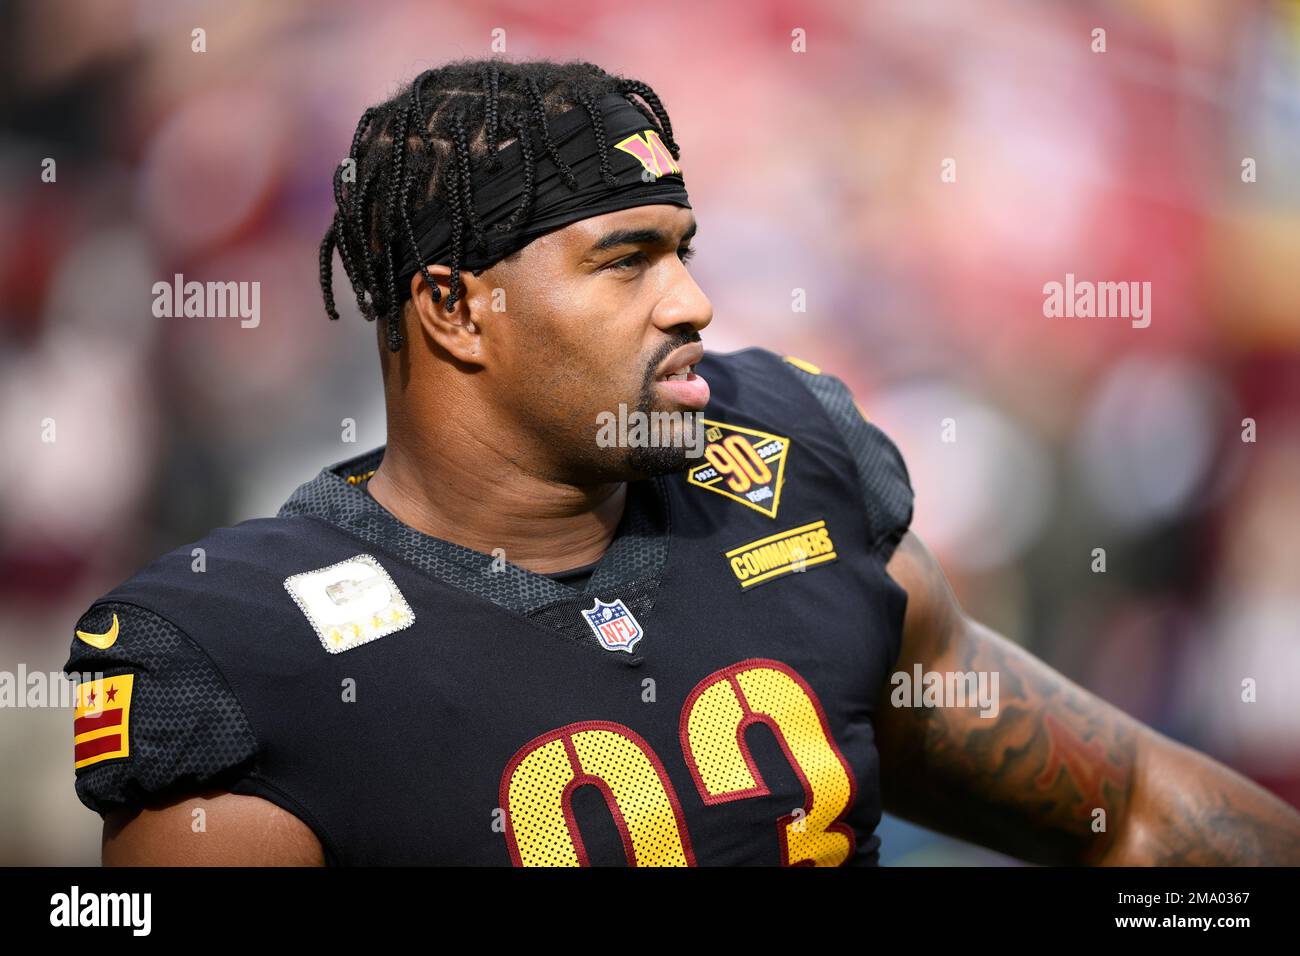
(460, 331)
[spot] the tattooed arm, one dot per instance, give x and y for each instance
(1029, 780)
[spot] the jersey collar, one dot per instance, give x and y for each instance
(634, 561)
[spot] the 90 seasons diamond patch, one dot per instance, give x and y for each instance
(744, 464)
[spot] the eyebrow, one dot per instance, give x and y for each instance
(633, 237)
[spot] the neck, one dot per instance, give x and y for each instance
(450, 484)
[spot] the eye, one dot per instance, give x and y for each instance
(685, 253)
(622, 265)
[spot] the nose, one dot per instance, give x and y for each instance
(683, 302)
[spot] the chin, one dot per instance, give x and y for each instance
(648, 462)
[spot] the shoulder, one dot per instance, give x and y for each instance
(153, 712)
(736, 376)
(816, 405)
(157, 709)
(231, 576)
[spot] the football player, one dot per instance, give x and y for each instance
(602, 597)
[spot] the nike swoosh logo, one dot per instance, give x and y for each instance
(102, 641)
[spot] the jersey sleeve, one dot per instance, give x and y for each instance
(154, 717)
(882, 475)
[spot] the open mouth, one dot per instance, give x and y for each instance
(681, 375)
(677, 378)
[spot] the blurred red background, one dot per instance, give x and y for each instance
(819, 171)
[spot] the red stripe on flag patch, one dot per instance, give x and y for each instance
(109, 718)
(100, 745)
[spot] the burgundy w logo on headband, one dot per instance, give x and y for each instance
(647, 147)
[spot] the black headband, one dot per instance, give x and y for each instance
(644, 170)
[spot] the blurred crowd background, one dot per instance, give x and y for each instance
(818, 170)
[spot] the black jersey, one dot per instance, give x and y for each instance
(706, 697)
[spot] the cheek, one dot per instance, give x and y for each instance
(556, 375)
(573, 355)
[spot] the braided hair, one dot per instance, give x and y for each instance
(433, 135)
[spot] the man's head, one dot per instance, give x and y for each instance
(557, 327)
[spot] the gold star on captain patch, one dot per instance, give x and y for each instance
(350, 603)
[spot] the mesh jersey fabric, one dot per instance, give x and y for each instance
(190, 730)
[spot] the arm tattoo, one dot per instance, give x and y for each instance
(1031, 780)
(1055, 776)
(1200, 833)
(1207, 815)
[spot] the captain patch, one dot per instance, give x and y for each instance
(350, 603)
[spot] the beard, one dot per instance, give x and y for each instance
(659, 460)
(625, 443)
(672, 452)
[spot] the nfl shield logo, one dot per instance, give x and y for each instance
(614, 626)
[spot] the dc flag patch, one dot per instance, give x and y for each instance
(101, 723)
(613, 625)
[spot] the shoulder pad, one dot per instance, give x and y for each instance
(886, 487)
(154, 715)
